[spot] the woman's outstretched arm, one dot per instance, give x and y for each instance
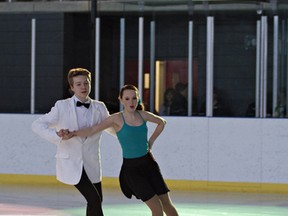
(108, 122)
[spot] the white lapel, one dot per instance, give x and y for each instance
(96, 115)
(72, 113)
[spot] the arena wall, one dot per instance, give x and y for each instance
(245, 154)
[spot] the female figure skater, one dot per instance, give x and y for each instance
(140, 174)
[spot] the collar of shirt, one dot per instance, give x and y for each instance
(76, 99)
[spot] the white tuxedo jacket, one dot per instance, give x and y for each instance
(74, 153)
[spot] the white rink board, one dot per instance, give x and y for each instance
(190, 148)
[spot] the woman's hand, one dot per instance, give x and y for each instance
(62, 132)
(65, 134)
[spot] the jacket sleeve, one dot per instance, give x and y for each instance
(105, 113)
(45, 126)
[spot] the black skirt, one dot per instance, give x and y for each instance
(142, 178)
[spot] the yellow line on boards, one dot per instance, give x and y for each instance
(187, 185)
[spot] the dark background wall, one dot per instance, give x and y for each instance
(15, 61)
(63, 41)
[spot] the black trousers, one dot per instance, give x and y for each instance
(93, 195)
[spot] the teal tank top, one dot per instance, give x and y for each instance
(133, 139)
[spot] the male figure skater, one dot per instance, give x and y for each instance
(77, 159)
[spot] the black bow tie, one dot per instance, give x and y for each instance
(78, 104)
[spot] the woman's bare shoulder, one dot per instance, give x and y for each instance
(144, 113)
(149, 116)
(117, 121)
(116, 117)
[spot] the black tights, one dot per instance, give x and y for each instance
(93, 195)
